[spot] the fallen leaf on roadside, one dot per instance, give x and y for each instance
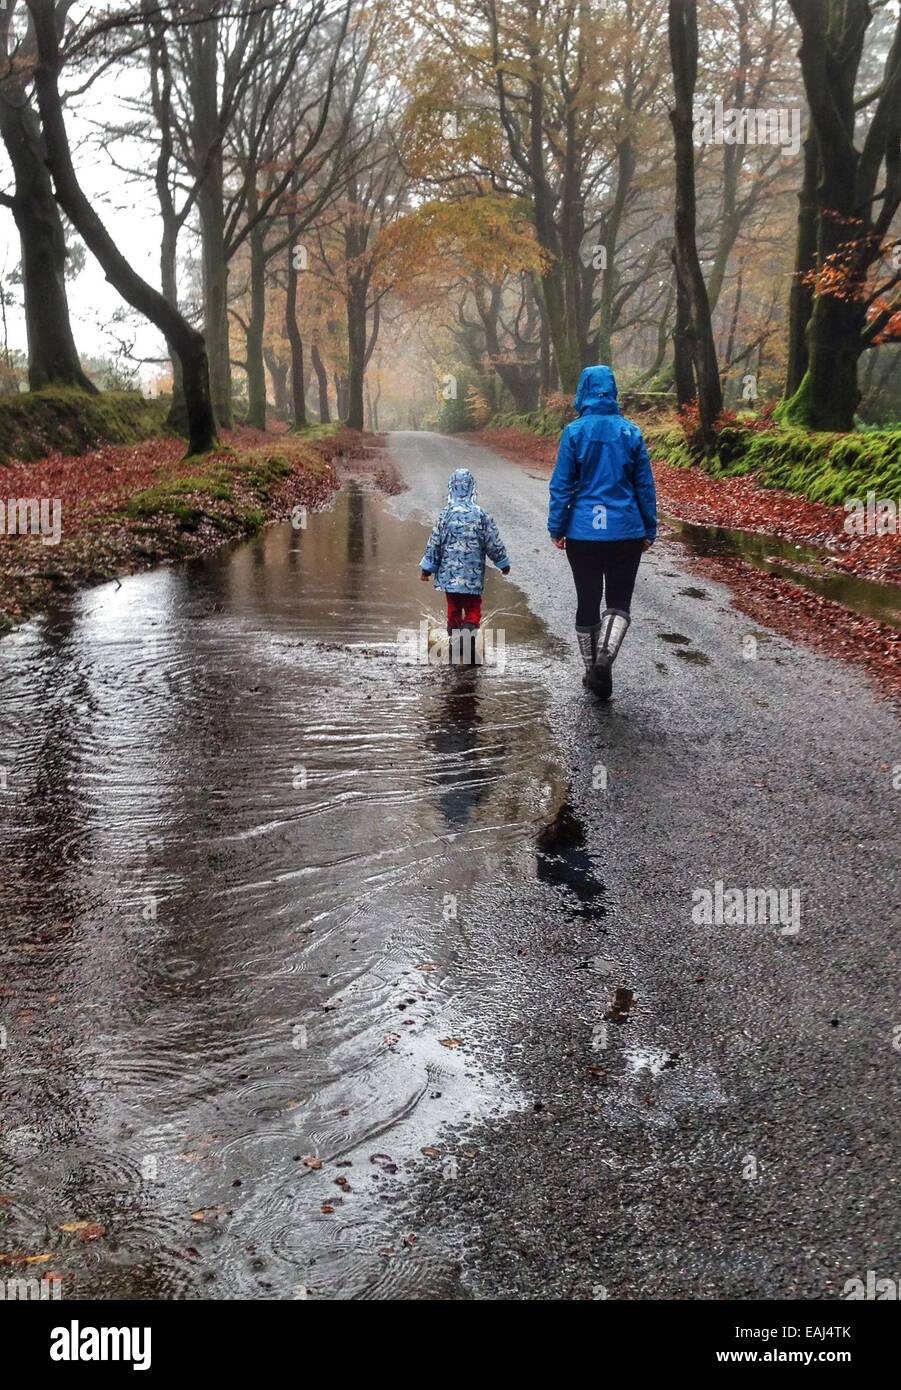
(410, 1241)
(87, 1230)
(430, 1151)
(312, 1162)
(326, 1209)
(451, 1042)
(428, 967)
(209, 1213)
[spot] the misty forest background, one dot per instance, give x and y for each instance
(434, 215)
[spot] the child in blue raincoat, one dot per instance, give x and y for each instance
(462, 538)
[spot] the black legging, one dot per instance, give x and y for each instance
(603, 569)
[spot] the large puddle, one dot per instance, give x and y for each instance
(803, 564)
(243, 849)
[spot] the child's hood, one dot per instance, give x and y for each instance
(461, 486)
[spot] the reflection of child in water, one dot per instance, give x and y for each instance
(462, 538)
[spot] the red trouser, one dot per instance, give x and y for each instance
(464, 608)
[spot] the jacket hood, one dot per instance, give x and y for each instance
(597, 392)
(461, 486)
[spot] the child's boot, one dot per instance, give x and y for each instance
(469, 644)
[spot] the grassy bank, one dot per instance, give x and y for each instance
(126, 508)
(37, 423)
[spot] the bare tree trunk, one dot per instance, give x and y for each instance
(545, 384)
(374, 403)
(322, 382)
(562, 328)
(161, 101)
(356, 349)
(278, 375)
(177, 418)
(295, 341)
(341, 395)
(736, 310)
(52, 355)
(211, 210)
(800, 304)
(186, 341)
(683, 350)
(256, 325)
(683, 41)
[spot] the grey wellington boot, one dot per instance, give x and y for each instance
(613, 628)
(588, 646)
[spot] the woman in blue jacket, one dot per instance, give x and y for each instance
(603, 513)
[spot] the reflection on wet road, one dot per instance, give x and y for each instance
(241, 843)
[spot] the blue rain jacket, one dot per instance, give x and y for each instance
(462, 537)
(602, 488)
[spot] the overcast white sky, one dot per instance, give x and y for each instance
(129, 212)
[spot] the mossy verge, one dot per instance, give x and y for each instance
(828, 468)
(63, 420)
(233, 492)
(546, 422)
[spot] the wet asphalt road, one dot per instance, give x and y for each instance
(737, 1136)
(299, 999)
